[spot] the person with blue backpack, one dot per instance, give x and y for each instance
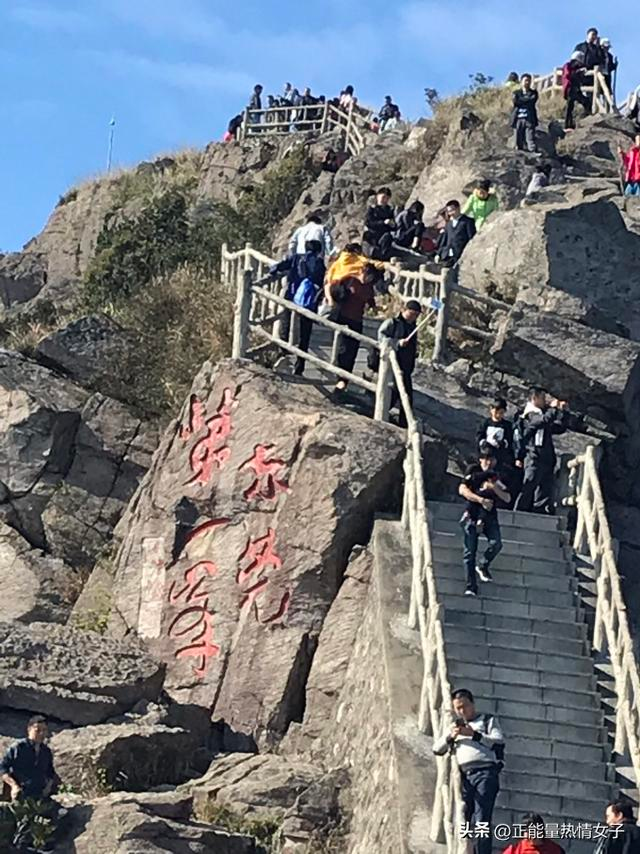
(305, 279)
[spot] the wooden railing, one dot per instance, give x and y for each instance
(354, 123)
(260, 306)
(611, 635)
(601, 97)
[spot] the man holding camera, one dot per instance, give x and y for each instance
(535, 429)
(477, 743)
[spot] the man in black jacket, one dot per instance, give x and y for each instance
(401, 331)
(535, 430)
(593, 54)
(624, 834)
(460, 229)
(524, 118)
(497, 431)
(380, 225)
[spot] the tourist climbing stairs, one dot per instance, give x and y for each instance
(521, 646)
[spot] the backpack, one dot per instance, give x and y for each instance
(306, 295)
(498, 749)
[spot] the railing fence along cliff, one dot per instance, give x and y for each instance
(601, 96)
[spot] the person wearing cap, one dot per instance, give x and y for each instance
(389, 114)
(481, 486)
(609, 65)
(524, 118)
(591, 50)
(481, 203)
(401, 332)
(573, 80)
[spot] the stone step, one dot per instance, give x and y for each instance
(561, 769)
(470, 671)
(511, 562)
(575, 733)
(509, 547)
(509, 593)
(589, 809)
(578, 788)
(542, 662)
(514, 640)
(539, 711)
(494, 606)
(548, 696)
(461, 615)
(545, 748)
(511, 533)
(532, 521)
(562, 582)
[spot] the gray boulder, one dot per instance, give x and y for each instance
(134, 756)
(598, 372)
(146, 824)
(36, 587)
(578, 261)
(73, 675)
(22, 277)
(84, 350)
(235, 546)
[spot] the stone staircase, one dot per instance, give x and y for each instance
(521, 647)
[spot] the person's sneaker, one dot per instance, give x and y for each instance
(470, 592)
(484, 574)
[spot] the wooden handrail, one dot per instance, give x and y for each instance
(611, 634)
(598, 89)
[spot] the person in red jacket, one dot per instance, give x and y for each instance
(573, 80)
(536, 842)
(631, 163)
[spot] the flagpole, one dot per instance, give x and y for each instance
(112, 131)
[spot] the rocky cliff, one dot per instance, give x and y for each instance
(188, 572)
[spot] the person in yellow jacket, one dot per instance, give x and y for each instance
(481, 203)
(349, 287)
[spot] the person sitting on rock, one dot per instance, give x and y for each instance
(410, 227)
(459, 230)
(631, 163)
(389, 115)
(534, 432)
(539, 179)
(380, 225)
(481, 486)
(28, 771)
(591, 50)
(481, 203)
(573, 80)
(524, 118)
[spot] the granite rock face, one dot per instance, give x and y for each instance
(235, 545)
(73, 675)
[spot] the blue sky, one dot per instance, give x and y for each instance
(173, 71)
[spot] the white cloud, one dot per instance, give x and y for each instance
(42, 18)
(181, 75)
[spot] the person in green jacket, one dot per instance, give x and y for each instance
(481, 203)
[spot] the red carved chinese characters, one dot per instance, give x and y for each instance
(193, 626)
(269, 475)
(211, 450)
(253, 577)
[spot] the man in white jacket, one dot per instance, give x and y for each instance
(313, 229)
(477, 743)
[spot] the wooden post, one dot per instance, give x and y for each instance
(325, 118)
(442, 321)
(241, 316)
(595, 107)
(383, 390)
(347, 134)
(245, 124)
